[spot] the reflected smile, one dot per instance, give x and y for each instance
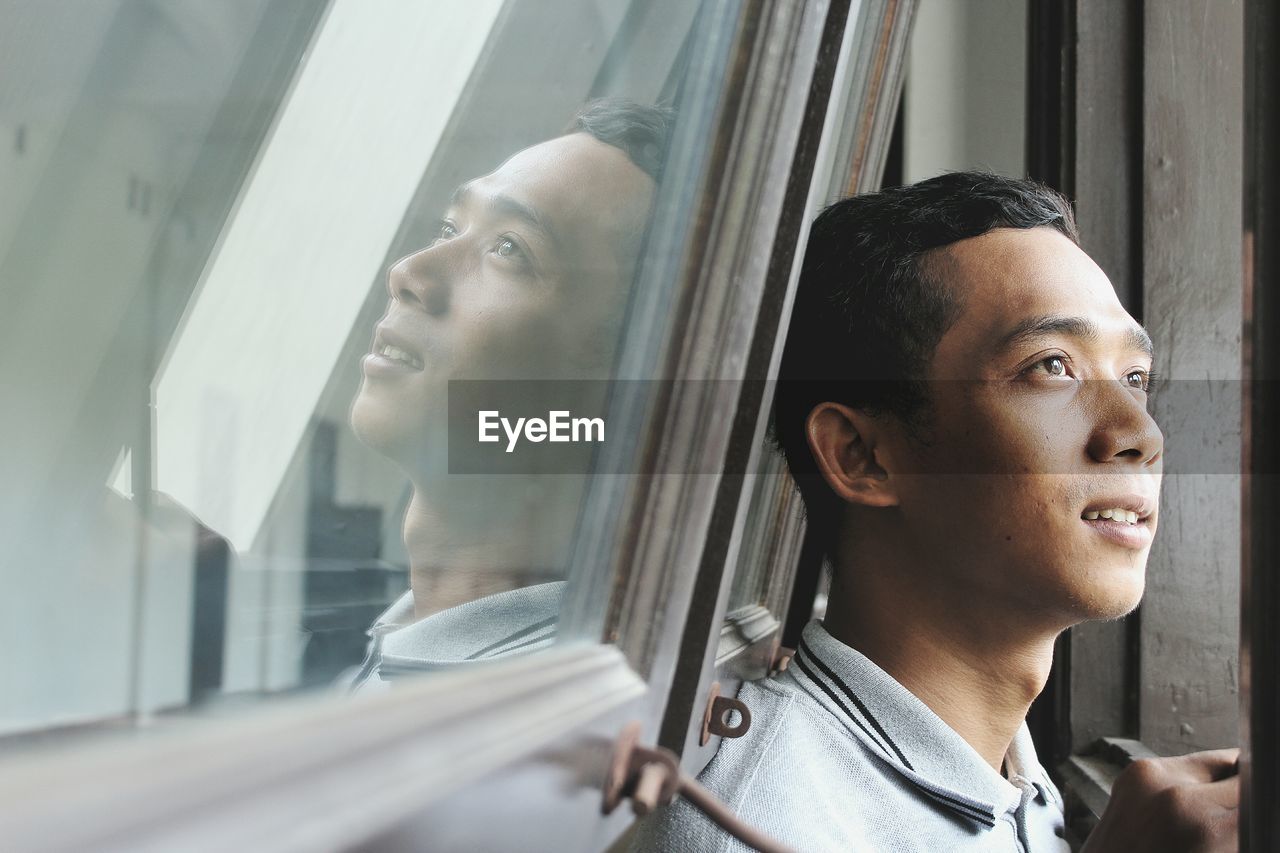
(393, 353)
(399, 356)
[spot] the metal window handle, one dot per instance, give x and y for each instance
(714, 720)
(651, 777)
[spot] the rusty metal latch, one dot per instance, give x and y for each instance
(715, 718)
(651, 777)
(648, 775)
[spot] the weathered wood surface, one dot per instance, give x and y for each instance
(1192, 201)
(1108, 197)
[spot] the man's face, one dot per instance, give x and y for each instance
(1055, 424)
(525, 278)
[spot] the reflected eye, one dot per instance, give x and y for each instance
(447, 230)
(509, 248)
(506, 248)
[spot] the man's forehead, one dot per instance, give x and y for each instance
(577, 166)
(1017, 287)
(1128, 336)
(1022, 287)
(572, 181)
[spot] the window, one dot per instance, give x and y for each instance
(754, 562)
(238, 223)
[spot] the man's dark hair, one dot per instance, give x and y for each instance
(870, 309)
(642, 131)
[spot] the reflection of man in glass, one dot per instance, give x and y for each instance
(526, 278)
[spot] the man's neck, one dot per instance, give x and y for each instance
(976, 669)
(475, 542)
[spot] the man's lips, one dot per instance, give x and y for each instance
(1130, 502)
(393, 351)
(1109, 516)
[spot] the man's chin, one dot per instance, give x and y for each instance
(1114, 601)
(387, 431)
(376, 426)
(1112, 613)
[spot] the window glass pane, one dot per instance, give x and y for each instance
(263, 267)
(769, 566)
(764, 533)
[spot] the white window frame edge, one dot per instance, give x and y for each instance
(732, 273)
(740, 640)
(309, 773)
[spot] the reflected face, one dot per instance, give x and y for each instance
(1057, 424)
(526, 278)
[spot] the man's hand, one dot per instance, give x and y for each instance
(1187, 803)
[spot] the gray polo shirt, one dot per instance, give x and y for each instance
(495, 626)
(841, 757)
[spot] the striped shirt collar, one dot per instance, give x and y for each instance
(511, 622)
(909, 736)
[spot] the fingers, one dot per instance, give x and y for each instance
(1225, 833)
(1210, 765)
(1189, 802)
(1225, 793)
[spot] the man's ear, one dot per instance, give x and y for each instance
(843, 443)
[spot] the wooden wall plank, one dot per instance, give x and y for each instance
(1192, 206)
(1108, 195)
(1260, 589)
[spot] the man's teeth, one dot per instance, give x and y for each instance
(1113, 514)
(397, 354)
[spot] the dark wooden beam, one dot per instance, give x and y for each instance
(1260, 590)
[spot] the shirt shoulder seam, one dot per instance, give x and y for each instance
(749, 781)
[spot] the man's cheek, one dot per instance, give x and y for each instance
(965, 508)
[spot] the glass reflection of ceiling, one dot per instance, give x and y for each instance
(311, 228)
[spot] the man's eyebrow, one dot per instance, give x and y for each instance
(1035, 328)
(505, 205)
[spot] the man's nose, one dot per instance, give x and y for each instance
(1125, 429)
(422, 280)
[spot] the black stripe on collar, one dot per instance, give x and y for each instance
(512, 638)
(529, 641)
(961, 808)
(848, 691)
(958, 807)
(812, 676)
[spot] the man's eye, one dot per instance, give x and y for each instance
(447, 230)
(1146, 380)
(506, 247)
(1048, 363)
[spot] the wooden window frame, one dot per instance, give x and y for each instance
(865, 44)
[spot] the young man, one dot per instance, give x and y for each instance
(526, 279)
(963, 403)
